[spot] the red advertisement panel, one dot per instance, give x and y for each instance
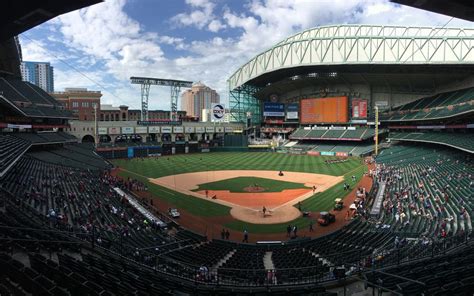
(313, 153)
(359, 108)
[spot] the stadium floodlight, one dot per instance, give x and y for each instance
(175, 85)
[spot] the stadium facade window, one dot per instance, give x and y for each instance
(75, 104)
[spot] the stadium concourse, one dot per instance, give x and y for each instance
(386, 129)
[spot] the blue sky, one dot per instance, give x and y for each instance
(101, 46)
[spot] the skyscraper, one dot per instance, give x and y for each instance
(38, 73)
(199, 97)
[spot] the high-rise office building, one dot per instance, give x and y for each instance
(199, 97)
(38, 73)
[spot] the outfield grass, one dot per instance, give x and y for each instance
(178, 164)
(187, 163)
(238, 184)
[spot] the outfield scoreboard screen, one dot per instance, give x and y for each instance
(324, 110)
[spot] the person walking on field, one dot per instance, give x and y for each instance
(288, 231)
(311, 226)
(264, 210)
(227, 234)
(246, 236)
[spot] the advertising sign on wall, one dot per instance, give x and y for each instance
(219, 129)
(200, 129)
(127, 130)
(359, 108)
(343, 154)
(178, 129)
(273, 109)
(102, 130)
(229, 129)
(218, 112)
(166, 129)
(209, 129)
(141, 130)
(189, 129)
(327, 153)
(154, 129)
(114, 130)
(313, 153)
(292, 111)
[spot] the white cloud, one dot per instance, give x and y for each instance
(202, 16)
(104, 34)
(215, 26)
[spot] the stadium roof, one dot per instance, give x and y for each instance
(18, 16)
(456, 8)
(328, 51)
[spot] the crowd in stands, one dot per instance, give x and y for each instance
(429, 190)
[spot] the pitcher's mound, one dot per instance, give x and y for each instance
(280, 215)
(254, 189)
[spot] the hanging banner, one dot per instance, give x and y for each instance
(359, 108)
(209, 129)
(228, 129)
(219, 129)
(189, 129)
(200, 129)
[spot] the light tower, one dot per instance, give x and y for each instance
(175, 85)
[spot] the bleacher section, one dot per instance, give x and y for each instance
(42, 138)
(11, 148)
(450, 274)
(357, 134)
(463, 141)
(76, 199)
(439, 106)
(32, 100)
(428, 190)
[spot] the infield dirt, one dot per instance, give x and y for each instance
(248, 206)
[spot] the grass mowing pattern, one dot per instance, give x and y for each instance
(321, 201)
(178, 164)
(238, 184)
(187, 163)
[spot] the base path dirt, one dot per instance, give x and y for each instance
(248, 206)
(212, 226)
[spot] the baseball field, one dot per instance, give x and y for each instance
(260, 192)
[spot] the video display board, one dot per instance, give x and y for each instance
(324, 110)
